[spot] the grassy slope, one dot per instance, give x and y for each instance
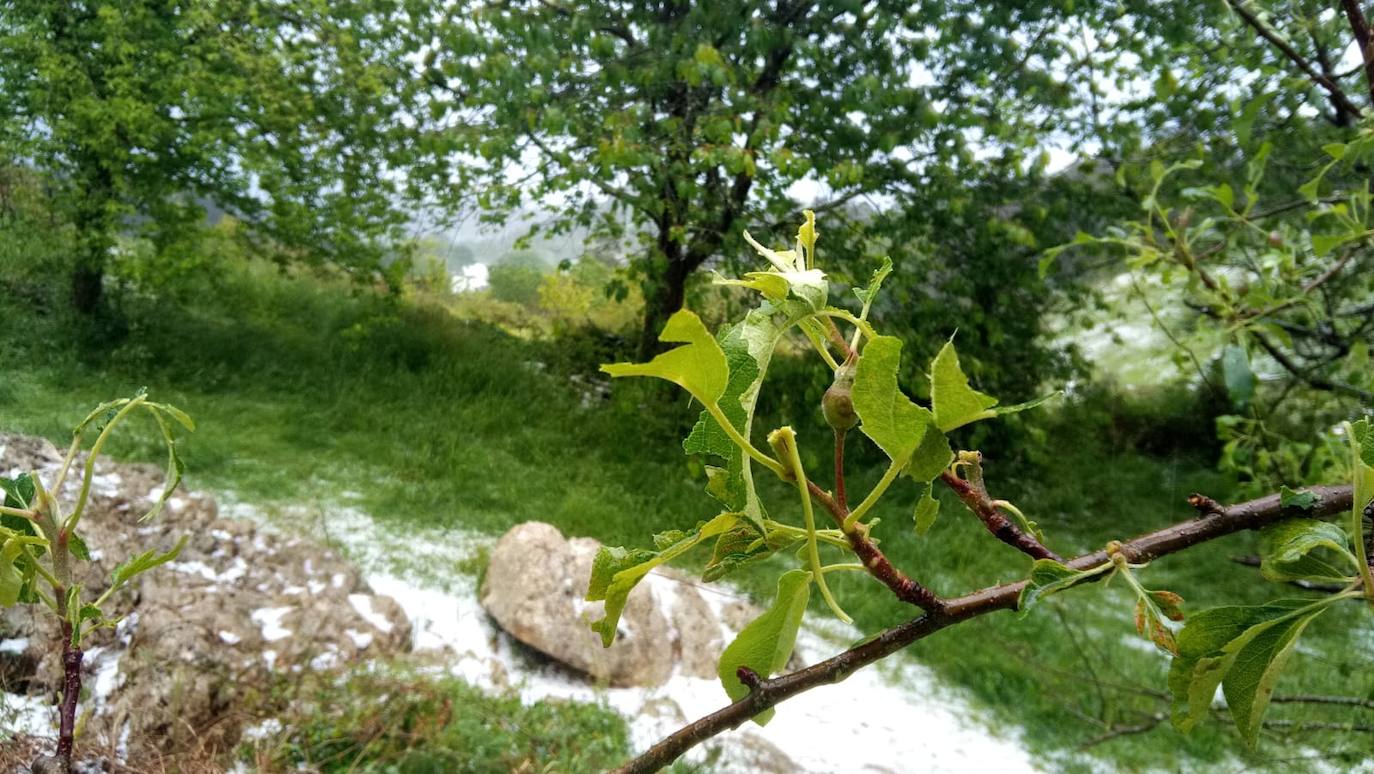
(303, 388)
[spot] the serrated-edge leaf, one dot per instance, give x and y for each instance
(1256, 667)
(1302, 500)
(766, 643)
(927, 509)
(141, 563)
(888, 417)
(952, 400)
(1286, 551)
(866, 295)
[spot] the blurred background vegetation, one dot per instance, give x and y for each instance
(383, 248)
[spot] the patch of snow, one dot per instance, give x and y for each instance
(29, 715)
(269, 619)
(363, 604)
(17, 645)
(263, 730)
(230, 638)
(361, 639)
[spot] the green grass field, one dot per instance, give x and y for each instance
(305, 387)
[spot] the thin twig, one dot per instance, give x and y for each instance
(974, 493)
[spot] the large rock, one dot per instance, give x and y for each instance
(534, 589)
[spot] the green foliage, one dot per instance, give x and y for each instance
(1242, 649)
(765, 645)
(1049, 577)
(516, 278)
(725, 376)
(397, 719)
(694, 122)
(889, 418)
(144, 118)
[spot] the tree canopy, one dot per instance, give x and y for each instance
(289, 116)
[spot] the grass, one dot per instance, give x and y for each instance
(394, 719)
(304, 386)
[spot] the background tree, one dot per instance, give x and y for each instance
(143, 113)
(688, 123)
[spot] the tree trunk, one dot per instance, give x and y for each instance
(88, 282)
(663, 296)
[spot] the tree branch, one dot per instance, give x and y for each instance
(1338, 96)
(1360, 27)
(771, 692)
(974, 493)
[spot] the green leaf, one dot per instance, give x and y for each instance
(1306, 549)
(866, 295)
(735, 547)
(954, 402)
(748, 347)
(1210, 645)
(11, 578)
(699, 366)
(930, 458)
(889, 418)
(78, 548)
(766, 643)
(616, 571)
(1301, 500)
(1050, 577)
(927, 508)
(1240, 380)
(144, 562)
(1255, 668)
(18, 493)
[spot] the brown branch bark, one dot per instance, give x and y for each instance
(71, 694)
(974, 494)
(877, 563)
(1360, 27)
(771, 692)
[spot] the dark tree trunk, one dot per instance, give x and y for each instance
(88, 282)
(662, 297)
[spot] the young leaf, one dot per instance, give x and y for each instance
(699, 366)
(1256, 667)
(144, 562)
(1300, 500)
(737, 546)
(954, 402)
(1240, 380)
(766, 643)
(616, 571)
(17, 493)
(927, 508)
(1307, 549)
(1049, 577)
(11, 578)
(866, 295)
(889, 418)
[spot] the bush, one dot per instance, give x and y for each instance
(516, 277)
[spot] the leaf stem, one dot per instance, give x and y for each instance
(89, 472)
(893, 470)
(20, 512)
(743, 443)
(787, 439)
